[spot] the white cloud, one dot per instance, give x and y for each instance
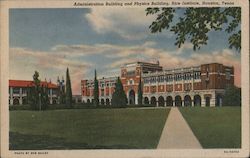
(50, 64)
(174, 60)
(23, 63)
(129, 23)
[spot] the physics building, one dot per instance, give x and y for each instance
(202, 85)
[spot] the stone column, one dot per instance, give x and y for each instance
(136, 99)
(173, 103)
(21, 96)
(157, 86)
(192, 85)
(173, 82)
(182, 79)
(11, 96)
(192, 100)
(20, 92)
(105, 90)
(50, 96)
(109, 87)
(203, 101)
(212, 100)
(165, 83)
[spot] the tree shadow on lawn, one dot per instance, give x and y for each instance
(20, 141)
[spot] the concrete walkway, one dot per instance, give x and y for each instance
(177, 134)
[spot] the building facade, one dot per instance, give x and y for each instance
(18, 90)
(106, 89)
(202, 85)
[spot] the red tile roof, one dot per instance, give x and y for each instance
(25, 83)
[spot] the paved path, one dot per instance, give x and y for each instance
(177, 134)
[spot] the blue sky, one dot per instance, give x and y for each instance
(50, 40)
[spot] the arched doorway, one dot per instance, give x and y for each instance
(88, 101)
(161, 101)
(218, 100)
(54, 101)
(197, 100)
(16, 101)
(146, 101)
(153, 101)
(178, 101)
(207, 101)
(131, 97)
(102, 102)
(169, 101)
(187, 100)
(107, 102)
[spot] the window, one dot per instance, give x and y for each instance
(54, 91)
(102, 92)
(178, 77)
(187, 76)
(131, 82)
(228, 75)
(161, 78)
(123, 73)
(146, 80)
(151, 80)
(153, 90)
(131, 73)
(24, 90)
(169, 78)
(197, 75)
(16, 90)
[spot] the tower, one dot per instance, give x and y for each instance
(131, 76)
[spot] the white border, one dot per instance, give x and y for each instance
(4, 60)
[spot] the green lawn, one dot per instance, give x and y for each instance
(87, 128)
(218, 127)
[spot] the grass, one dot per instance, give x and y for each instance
(218, 127)
(87, 128)
(75, 106)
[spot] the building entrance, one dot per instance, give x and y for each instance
(131, 97)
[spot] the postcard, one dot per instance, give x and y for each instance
(124, 78)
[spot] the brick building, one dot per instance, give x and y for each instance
(201, 85)
(106, 89)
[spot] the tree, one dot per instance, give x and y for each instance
(44, 97)
(140, 92)
(96, 91)
(61, 90)
(62, 96)
(33, 98)
(195, 24)
(37, 95)
(119, 97)
(68, 90)
(232, 96)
